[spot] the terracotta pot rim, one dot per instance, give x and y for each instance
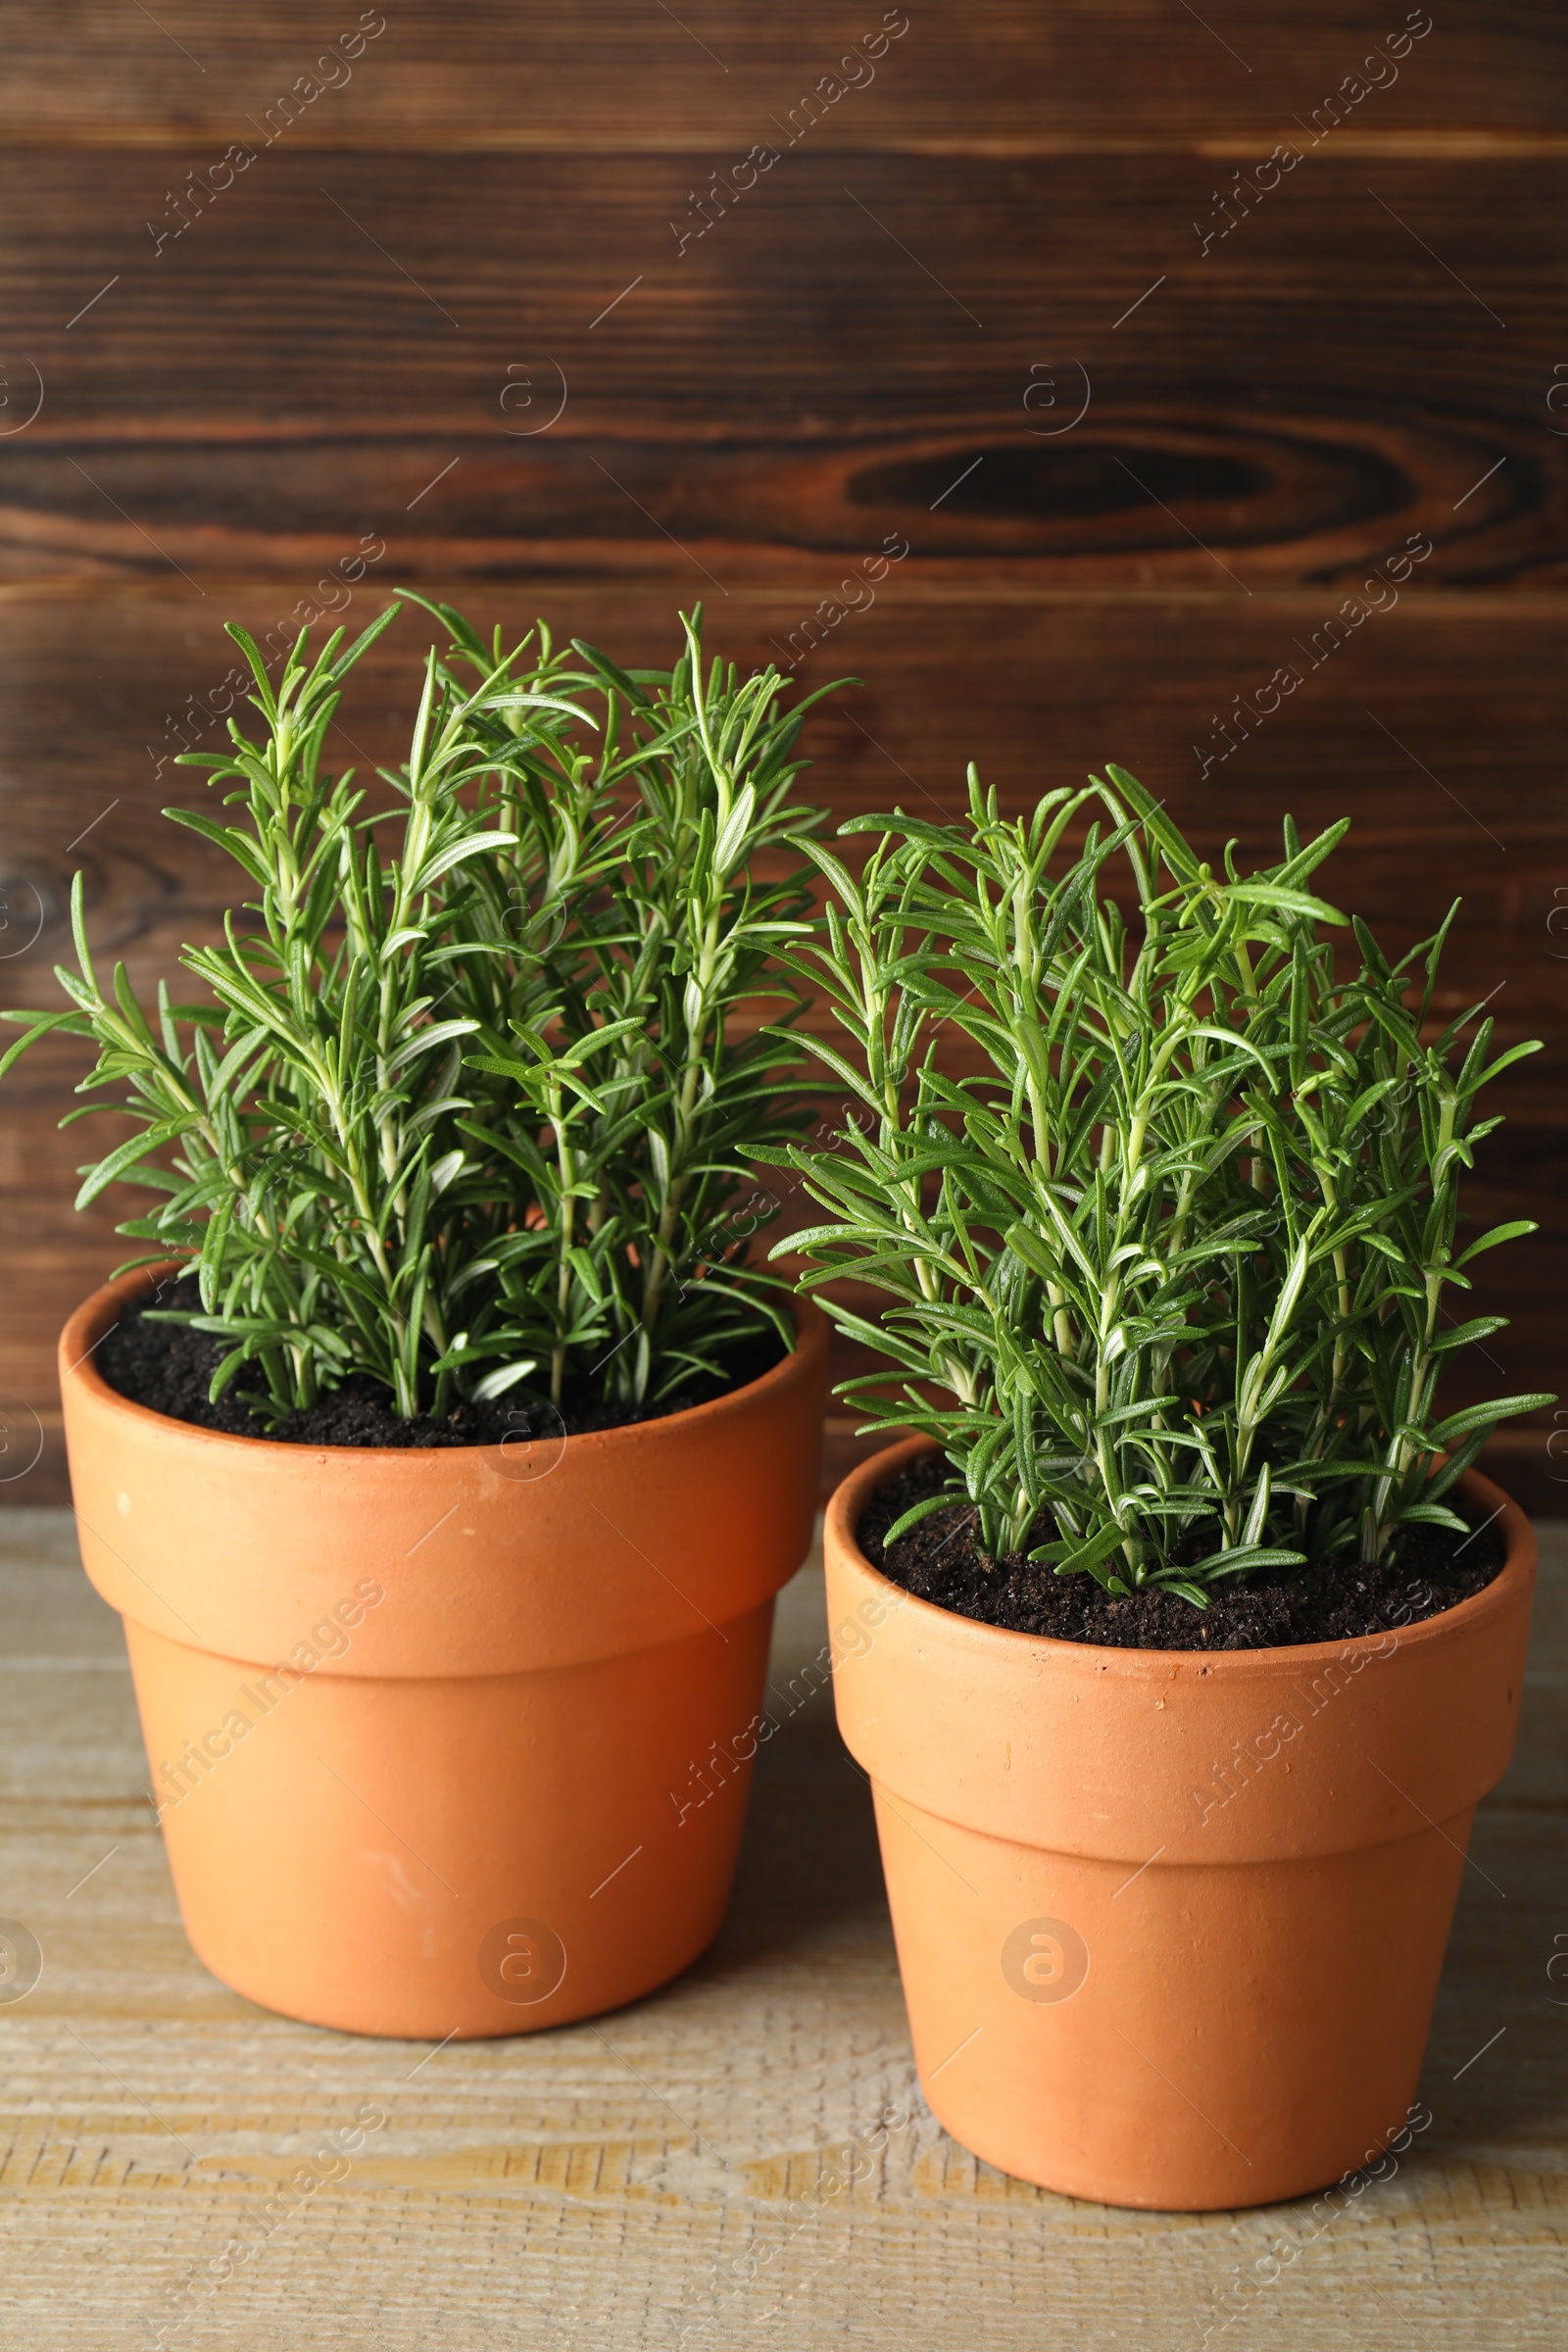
(851, 1497)
(89, 1324)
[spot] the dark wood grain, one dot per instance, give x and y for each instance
(344, 369)
(253, 398)
(1002, 74)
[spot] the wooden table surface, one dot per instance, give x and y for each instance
(675, 2174)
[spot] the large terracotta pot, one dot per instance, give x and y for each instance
(1170, 1924)
(448, 1741)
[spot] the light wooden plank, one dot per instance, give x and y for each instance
(629, 2185)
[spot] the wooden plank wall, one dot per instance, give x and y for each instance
(1150, 336)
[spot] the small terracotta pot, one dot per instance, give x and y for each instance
(448, 1741)
(1170, 1923)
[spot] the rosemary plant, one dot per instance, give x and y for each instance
(474, 1114)
(639, 1080)
(1168, 1278)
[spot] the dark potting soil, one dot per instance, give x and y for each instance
(1430, 1570)
(169, 1367)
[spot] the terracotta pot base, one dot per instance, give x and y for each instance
(448, 1741)
(454, 1870)
(1094, 2089)
(1170, 1923)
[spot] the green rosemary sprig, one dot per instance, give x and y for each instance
(474, 1112)
(644, 1091)
(1169, 1275)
